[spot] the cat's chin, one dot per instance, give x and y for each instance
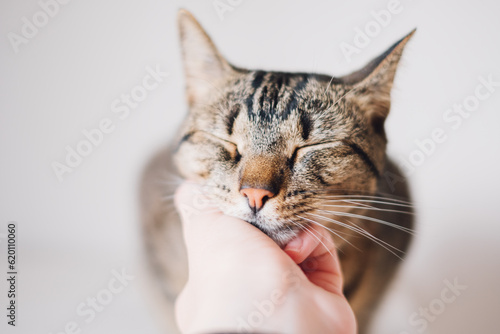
(280, 236)
(270, 223)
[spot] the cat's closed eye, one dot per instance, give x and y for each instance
(300, 151)
(229, 146)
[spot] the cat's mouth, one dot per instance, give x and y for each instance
(266, 230)
(280, 234)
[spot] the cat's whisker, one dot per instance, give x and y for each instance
(364, 233)
(288, 227)
(329, 230)
(318, 224)
(363, 205)
(311, 232)
(387, 195)
(329, 193)
(367, 208)
(355, 228)
(340, 232)
(352, 202)
(349, 92)
(368, 197)
(357, 205)
(376, 220)
(370, 202)
(335, 190)
(359, 201)
(329, 84)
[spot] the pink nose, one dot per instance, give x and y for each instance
(256, 197)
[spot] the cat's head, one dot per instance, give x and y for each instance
(271, 146)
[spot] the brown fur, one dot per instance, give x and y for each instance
(306, 137)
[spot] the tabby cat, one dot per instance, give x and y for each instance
(283, 151)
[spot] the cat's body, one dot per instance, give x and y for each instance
(311, 144)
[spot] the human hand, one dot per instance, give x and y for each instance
(241, 281)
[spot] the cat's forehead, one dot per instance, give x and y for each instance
(277, 95)
(268, 98)
(277, 106)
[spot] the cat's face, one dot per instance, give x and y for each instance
(270, 147)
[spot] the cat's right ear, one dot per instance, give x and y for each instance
(371, 86)
(203, 65)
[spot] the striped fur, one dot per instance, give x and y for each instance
(305, 137)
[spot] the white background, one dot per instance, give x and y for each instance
(72, 234)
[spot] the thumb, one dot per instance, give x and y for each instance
(315, 252)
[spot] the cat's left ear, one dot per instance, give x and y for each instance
(203, 64)
(371, 86)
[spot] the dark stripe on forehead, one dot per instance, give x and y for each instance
(262, 100)
(305, 122)
(256, 83)
(297, 90)
(231, 117)
(269, 95)
(277, 80)
(273, 89)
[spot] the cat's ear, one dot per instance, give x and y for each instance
(371, 86)
(204, 66)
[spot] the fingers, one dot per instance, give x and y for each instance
(313, 249)
(302, 246)
(207, 230)
(315, 252)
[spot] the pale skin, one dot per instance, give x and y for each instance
(241, 281)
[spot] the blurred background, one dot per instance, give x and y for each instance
(67, 67)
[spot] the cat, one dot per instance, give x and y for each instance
(283, 151)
